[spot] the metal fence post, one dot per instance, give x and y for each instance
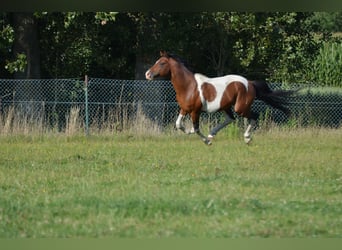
(86, 105)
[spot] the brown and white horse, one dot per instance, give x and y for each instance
(196, 93)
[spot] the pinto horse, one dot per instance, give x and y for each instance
(196, 93)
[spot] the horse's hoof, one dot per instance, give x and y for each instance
(207, 142)
(248, 140)
(182, 129)
(191, 131)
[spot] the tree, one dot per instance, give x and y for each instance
(6, 40)
(62, 41)
(26, 42)
(275, 46)
(174, 32)
(325, 22)
(77, 43)
(293, 48)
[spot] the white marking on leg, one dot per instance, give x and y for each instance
(210, 136)
(247, 133)
(192, 130)
(179, 120)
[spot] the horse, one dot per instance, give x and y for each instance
(197, 93)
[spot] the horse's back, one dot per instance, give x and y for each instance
(211, 90)
(221, 80)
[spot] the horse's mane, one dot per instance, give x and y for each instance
(180, 60)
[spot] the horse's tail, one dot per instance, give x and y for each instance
(275, 98)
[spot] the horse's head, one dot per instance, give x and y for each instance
(160, 68)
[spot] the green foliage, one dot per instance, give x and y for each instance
(19, 64)
(326, 68)
(294, 49)
(6, 36)
(68, 44)
(278, 46)
(104, 17)
(78, 43)
(100, 17)
(6, 41)
(325, 22)
(259, 45)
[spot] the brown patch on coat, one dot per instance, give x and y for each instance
(237, 95)
(229, 95)
(209, 91)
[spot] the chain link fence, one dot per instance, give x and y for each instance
(111, 104)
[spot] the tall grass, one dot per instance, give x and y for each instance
(326, 69)
(321, 69)
(73, 121)
(14, 121)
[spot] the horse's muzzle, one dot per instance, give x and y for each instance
(149, 75)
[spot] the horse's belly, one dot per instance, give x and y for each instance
(211, 107)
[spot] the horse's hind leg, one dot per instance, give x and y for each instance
(229, 118)
(247, 135)
(252, 121)
(195, 120)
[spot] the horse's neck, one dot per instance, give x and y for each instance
(182, 79)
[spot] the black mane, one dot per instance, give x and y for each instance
(180, 60)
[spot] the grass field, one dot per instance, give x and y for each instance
(286, 184)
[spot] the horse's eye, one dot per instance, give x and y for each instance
(162, 63)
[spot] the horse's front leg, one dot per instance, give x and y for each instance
(180, 125)
(179, 121)
(195, 121)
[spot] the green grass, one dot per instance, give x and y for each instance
(286, 184)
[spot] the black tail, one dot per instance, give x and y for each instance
(275, 98)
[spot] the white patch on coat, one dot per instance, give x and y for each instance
(220, 84)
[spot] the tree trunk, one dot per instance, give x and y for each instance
(28, 94)
(26, 41)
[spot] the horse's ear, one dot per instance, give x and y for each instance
(163, 53)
